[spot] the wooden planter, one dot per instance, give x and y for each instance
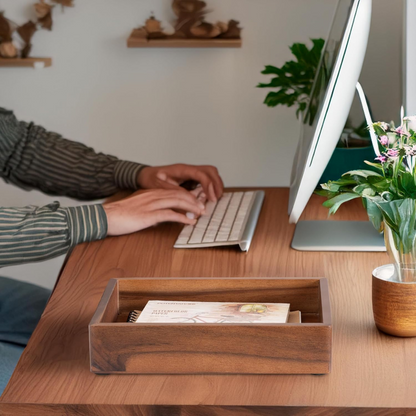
(394, 304)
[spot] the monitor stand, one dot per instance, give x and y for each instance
(341, 235)
(337, 236)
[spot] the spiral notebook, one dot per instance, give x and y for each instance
(214, 312)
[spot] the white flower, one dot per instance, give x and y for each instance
(410, 123)
(409, 150)
(392, 137)
(382, 125)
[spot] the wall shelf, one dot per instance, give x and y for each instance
(140, 42)
(26, 62)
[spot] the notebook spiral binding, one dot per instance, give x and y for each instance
(133, 315)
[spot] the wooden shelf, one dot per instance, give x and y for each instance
(26, 62)
(136, 42)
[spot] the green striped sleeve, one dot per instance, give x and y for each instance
(86, 223)
(31, 234)
(126, 174)
(32, 157)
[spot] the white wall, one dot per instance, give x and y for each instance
(410, 58)
(162, 106)
(382, 72)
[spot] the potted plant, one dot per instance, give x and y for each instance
(389, 196)
(294, 82)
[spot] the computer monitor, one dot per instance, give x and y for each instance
(321, 127)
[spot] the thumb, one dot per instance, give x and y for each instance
(163, 177)
(168, 184)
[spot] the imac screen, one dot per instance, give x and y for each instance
(322, 80)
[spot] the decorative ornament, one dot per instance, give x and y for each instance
(64, 3)
(42, 9)
(190, 24)
(26, 33)
(152, 25)
(16, 40)
(6, 29)
(8, 50)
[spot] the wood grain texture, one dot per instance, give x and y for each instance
(163, 410)
(26, 62)
(123, 348)
(137, 42)
(371, 371)
(394, 307)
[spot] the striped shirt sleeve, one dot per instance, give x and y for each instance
(32, 157)
(32, 233)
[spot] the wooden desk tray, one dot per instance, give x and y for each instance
(118, 347)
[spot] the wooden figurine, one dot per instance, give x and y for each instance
(15, 40)
(190, 24)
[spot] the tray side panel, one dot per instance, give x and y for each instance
(211, 349)
(108, 307)
(302, 294)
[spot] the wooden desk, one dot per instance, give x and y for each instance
(371, 371)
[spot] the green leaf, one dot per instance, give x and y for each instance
(374, 165)
(269, 69)
(280, 98)
(301, 52)
(294, 78)
(324, 193)
(337, 201)
(380, 184)
(389, 212)
(378, 130)
(407, 232)
(407, 184)
(364, 190)
(373, 212)
(316, 51)
(330, 186)
(363, 173)
(400, 216)
(275, 83)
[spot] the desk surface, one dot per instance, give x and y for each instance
(370, 370)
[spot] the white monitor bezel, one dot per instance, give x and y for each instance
(335, 110)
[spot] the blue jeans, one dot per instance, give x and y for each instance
(21, 306)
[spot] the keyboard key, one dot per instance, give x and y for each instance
(185, 234)
(202, 224)
(229, 218)
(217, 218)
(241, 215)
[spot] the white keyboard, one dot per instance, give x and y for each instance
(230, 221)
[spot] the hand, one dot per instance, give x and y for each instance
(172, 176)
(144, 209)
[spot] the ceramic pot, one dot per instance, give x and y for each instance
(394, 303)
(343, 160)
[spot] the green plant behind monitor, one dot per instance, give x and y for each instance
(294, 80)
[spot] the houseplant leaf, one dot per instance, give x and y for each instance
(334, 203)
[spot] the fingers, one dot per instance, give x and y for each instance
(168, 215)
(176, 198)
(178, 203)
(168, 184)
(216, 179)
(199, 194)
(208, 177)
(205, 181)
(170, 177)
(164, 178)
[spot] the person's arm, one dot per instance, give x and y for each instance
(31, 234)
(32, 157)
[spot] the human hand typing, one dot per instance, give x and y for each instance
(172, 176)
(144, 209)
